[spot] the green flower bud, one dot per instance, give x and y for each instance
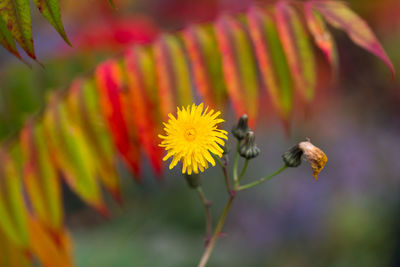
(242, 127)
(193, 180)
(226, 149)
(249, 148)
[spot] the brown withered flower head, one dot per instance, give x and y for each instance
(313, 154)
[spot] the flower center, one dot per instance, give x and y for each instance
(190, 134)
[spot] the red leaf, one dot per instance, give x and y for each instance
(323, 38)
(230, 70)
(109, 82)
(142, 109)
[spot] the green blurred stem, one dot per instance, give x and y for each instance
(206, 204)
(246, 163)
(225, 172)
(260, 181)
(235, 165)
(217, 232)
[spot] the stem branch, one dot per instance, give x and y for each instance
(259, 181)
(217, 231)
(235, 165)
(225, 172)
(246, 163)
(206, 204)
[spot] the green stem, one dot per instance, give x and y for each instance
(235, 166)
(206, 204)
(225, 172)
(217, 231)
(260, 181)
(246, 163)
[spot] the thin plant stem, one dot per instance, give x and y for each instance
(260, 181)
(206, 204)
(235, 165)
(225, 172)
(210, 246)
(246, 163)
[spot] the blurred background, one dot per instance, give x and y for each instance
(350, 217)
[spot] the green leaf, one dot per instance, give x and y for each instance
(82, 162)
(6, 39)
(49, 178)
(50, 9)
(12, 207)
(164, 78)
(212, 63)
(201, 78)
(228, 33)
(247, 68)
(16, 199)
(180, 70)
(72, 154)
(82, 104)
(297, 47)
(280, 64)
(111, 2)
(272, 61)
(17, 16)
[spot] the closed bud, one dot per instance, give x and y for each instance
(193, 180)
(249, 149)
(225, 149)
(242, 127)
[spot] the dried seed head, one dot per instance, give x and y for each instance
(292, 157)
(315, 156)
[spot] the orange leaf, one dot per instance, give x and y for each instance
(141, 108)
(164, 78)
(230, 70)
(12, 255)
(201, 76)
(52, 249)
(322, 37)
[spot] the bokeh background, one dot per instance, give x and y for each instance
(350, 217)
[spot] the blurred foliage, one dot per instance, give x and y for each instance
(352, 237)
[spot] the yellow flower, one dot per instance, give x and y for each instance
(191, 136)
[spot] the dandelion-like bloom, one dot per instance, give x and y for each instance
(191, 136)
